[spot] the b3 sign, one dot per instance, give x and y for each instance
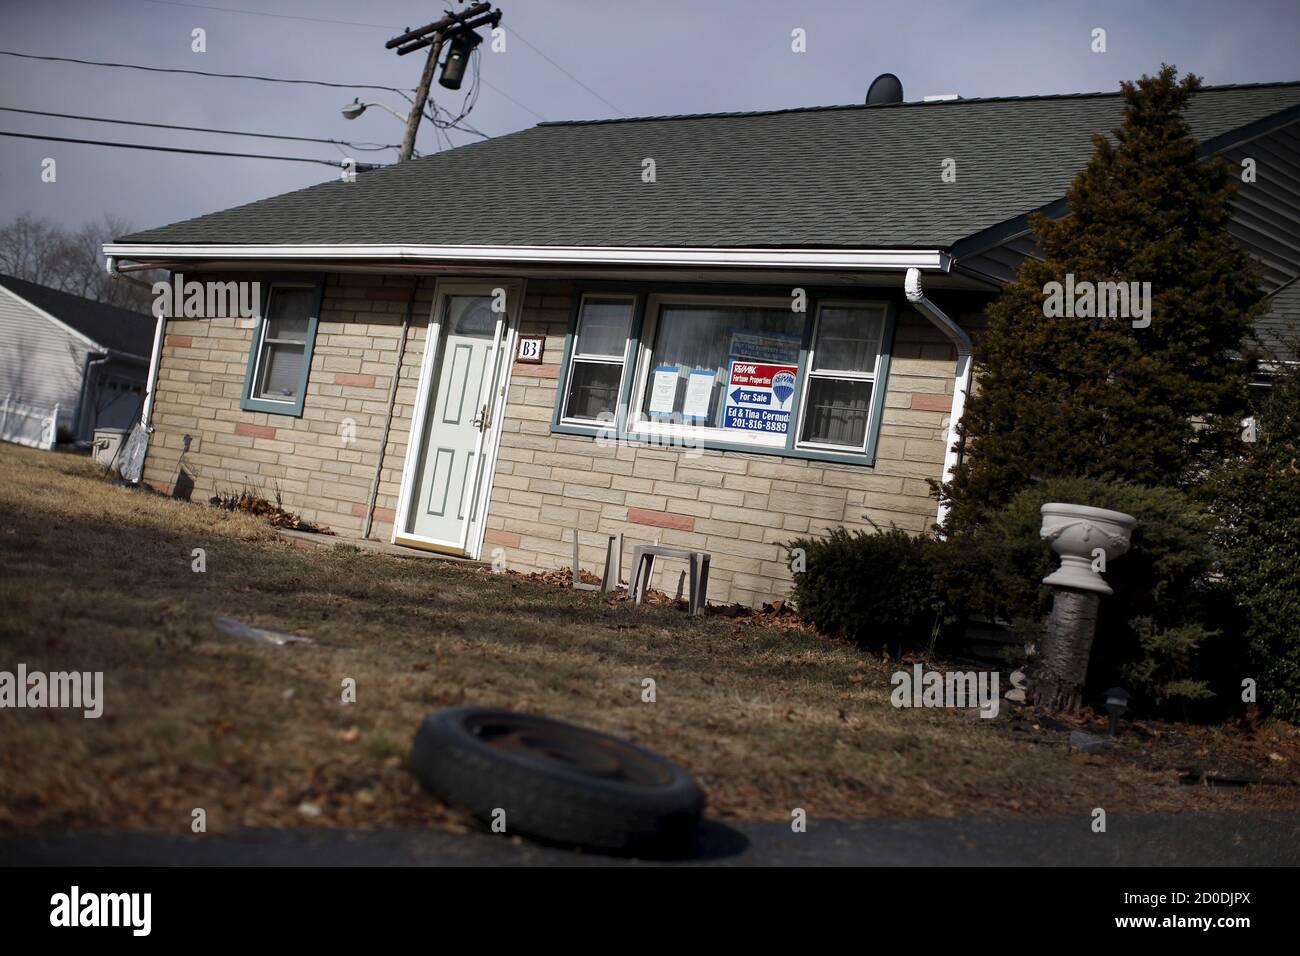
(530, 349)
(759, 397)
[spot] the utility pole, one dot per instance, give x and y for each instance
(421, 96)
(434, 35)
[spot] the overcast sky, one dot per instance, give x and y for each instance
(645, 57)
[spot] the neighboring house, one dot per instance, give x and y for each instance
(650, 373)
(68, 365)
(1278, 331)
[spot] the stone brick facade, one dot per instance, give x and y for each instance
(738, 506)
(323, 464)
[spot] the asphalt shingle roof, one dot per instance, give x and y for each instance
(853, 176)
(119, 330)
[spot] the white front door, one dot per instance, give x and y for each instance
(460, 398)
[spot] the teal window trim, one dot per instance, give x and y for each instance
(629, 363)
(562, 383)
(879, 373)
(558, 420)
(881, 384)
(294, 408)
(631, 358)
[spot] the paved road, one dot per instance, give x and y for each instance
(1132, 840)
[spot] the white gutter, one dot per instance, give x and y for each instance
(961, 385)
(882, 259)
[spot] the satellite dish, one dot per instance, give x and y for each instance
(886, 88)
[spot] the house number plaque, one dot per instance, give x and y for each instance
(529, 351)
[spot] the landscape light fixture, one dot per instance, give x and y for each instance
(1116, 706)
(453, 68)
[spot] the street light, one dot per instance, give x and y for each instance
(356, 108)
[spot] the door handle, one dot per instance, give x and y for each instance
(484, 420)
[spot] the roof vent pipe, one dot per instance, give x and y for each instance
(886, 88)
(961, 385)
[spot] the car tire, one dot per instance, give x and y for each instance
(557, 782)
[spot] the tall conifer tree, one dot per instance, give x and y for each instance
(1094, 395)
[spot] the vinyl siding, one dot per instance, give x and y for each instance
(41, 363)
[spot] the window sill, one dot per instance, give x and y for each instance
(650, 433)
(289, 409)
(634, 439)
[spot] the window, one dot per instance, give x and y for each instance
(599, 349)
(841, 376)
(277, 371)
(730, 371)
(729, 367)
(471, 315)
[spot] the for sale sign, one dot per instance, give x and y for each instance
(759, 397)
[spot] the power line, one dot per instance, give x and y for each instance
(382, 26)
(229, 76)
(466, 107)
(198, 129)
(247, 76)
(275, 16)
(178, 149)
(526, 109)
(520, 36)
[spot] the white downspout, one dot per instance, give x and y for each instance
(961, 385)
(146, 414)
(155, 354)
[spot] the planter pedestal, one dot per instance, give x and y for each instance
(1067, 644)
(1080, 535)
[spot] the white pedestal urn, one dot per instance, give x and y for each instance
(1084, 538)
(1077, 533)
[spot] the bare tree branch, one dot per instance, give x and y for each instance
(72, 261)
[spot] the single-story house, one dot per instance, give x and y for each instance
(68, 365)
(718, 332)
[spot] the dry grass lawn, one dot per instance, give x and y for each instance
(97, 578)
